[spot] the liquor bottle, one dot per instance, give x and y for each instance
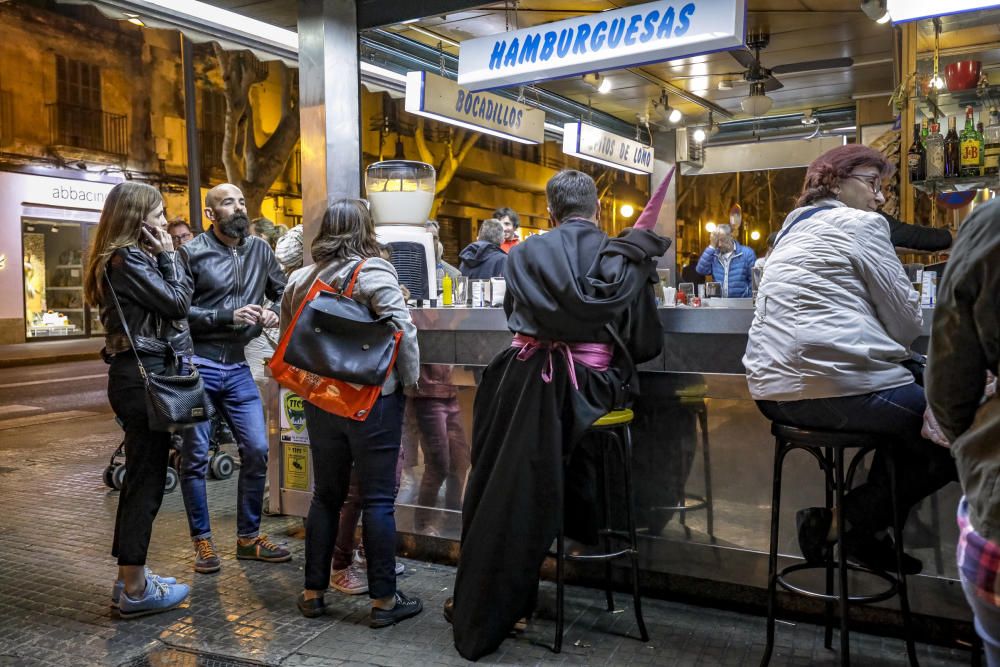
(935, 151)
(916, 158)
(980, 130)
(923, 132)
(951, 150)
(991, 150)
(969, 146)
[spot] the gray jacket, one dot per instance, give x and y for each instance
(965, 343)
(378, 288)
(835, 312)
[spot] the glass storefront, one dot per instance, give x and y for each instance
(54, 256)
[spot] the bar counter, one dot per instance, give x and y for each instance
(699, 439)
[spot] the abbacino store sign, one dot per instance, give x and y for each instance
(594, 144)
(647, 33)
(442, 99)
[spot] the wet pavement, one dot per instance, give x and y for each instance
(56, 575)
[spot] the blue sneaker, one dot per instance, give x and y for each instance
(116, 592)
(157, 597)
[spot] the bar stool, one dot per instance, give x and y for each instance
(692, 502)
(827, 447)
(617, 439)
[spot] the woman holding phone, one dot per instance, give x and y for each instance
(132, 260)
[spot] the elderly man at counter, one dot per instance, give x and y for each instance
(729, 263)
(574, 296)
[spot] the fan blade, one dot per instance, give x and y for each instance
(772, 84)
(743, 57)
(810, 65)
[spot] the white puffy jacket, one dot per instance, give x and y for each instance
(835, 311)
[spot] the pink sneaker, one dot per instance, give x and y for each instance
(352, 580)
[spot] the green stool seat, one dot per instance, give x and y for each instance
(615, 418)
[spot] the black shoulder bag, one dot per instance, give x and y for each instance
(337, 337)
(173, 402)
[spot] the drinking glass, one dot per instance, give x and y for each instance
(461, 289)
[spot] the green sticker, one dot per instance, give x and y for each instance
(295, 411)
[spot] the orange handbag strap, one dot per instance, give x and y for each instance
(349, 290)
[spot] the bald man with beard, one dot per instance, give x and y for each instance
(230, 273)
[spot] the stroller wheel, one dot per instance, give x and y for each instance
(221, 466)
(109, 473)
(118, 477)
(171, 482)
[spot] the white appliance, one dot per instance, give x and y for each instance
(401, 194)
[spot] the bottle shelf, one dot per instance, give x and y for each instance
(69, 266)
(957, 184)
(954, 103)
(71, 288)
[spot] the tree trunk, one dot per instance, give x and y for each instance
(252, 168)
(452, 160)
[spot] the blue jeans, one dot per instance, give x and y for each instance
(921, 466)
(235, 395)
(987, 622)
(372, 448)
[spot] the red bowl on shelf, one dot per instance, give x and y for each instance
(962, 75)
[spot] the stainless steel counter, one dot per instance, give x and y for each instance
(695, 396)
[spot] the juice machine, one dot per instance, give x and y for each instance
(401, 193)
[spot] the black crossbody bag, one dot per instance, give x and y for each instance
(173, 402)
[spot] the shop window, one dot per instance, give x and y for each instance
(53, 279)
(212, 121)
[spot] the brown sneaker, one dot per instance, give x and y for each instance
(263, 549)
(352, 580)
(206, 559)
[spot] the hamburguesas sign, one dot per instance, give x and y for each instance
(647, 33)
(434, 96)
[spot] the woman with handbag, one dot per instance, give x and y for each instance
(346, 239)
(133, 278)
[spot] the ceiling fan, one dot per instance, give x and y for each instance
(756, 72)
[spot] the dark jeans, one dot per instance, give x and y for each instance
(921, 466)
(343, 552)
(235, 396)
(372, 446)
(146, 454)
(446, 453)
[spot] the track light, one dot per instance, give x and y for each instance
(662, 111)
(601, 84)
(699, 135)
(875, 10)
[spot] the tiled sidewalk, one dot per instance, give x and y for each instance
(55, 579)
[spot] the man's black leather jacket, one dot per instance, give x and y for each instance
(154, 297)
(224, 279)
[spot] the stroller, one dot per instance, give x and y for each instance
(220, 465)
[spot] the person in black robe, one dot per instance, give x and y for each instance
(572, 285)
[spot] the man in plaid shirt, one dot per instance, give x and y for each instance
(965, 346)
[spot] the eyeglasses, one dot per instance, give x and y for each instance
(874, 182)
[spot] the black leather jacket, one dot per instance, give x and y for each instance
(224, 279)
(154, 297)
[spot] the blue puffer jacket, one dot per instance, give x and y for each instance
(737, 278)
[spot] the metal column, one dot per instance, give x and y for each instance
(330, 107)
(191, 132)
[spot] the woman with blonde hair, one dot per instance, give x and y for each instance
(347, 237)
(131, 270)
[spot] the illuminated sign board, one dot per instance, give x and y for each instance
(442, 99)
(636, 35)
(902, 11)
(612, 150)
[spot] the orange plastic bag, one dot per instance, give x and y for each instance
(345, 399)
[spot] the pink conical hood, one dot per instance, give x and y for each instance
(647, 219)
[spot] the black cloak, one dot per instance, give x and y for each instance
(566, 285)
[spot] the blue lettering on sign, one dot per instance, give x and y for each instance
(529, 50)
(666, 25)
(642, 157)
(548, 44)
(461, 98)
(684, 19)
(615, 32)
(580, 45)
(584, 38)
(633, 28)
(597, 41)
(480, 106)
(650, 26)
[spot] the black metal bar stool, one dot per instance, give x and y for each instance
(617, 439)
(692, 502)
(828, 447)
